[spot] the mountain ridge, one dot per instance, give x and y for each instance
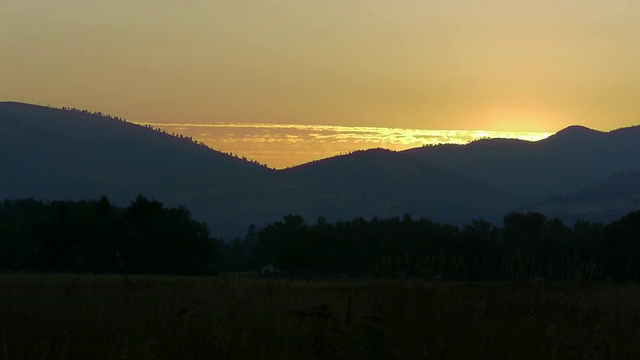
(573, 158)
(70, 154)
(419, 188)
(604, 201)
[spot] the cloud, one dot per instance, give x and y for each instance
(284, 145)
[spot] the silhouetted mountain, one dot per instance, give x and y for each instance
(603, 202)
(56, 154)
(575, 134)
(69, 154)
(395, 183)
(50, 153)
(620, 185)
(573, 158)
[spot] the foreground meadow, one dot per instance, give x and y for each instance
(145, 317)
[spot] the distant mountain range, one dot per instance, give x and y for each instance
(48, 153)
(571, 159)
(66, 154)
(397, 183)
(605, 201)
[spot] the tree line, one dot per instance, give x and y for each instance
(147, 237)
(95, 236)
(528, 246)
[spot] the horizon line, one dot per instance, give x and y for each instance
(281, 146)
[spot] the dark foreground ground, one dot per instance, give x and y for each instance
(126, 317)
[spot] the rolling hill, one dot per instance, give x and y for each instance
(571, 159)
(605, 201)
(400, 184)
(52, 154)
(48, 153)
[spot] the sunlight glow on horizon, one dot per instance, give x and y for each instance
(285, 145)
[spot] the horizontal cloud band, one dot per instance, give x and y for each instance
(284, 145)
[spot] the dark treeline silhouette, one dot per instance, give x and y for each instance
(528, 246)
(145, 237)
(95, 236)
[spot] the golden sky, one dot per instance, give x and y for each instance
(501, 65)
(285, 145)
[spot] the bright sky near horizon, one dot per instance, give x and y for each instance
(285, 145)
(492, 65)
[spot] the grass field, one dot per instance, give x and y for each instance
(228, 317)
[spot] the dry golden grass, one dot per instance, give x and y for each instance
(125, 317)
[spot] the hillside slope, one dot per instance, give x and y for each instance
(54, 154)
(605, 201)
(571, 159)
(404, 184)
(67, 154)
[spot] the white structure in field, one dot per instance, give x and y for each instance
(268, 270)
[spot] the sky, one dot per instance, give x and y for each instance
(492, 65)
(285, 145)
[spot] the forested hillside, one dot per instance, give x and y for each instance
(61, 154)
(604, 201)
(572, 159)
(69, 154)
(404, 184)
